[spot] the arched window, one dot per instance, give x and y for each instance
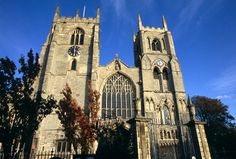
(72, 39)
(166, 116)
(81, 42)
(166, 81)
(156, 73)
(77, 38)
(73, 64)
(165, 74)
(157, 77)
(117, 98)
(156, 45)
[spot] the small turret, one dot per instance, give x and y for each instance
(56, 15)
(189, 101)
(98, 14)
(140, 24)
(134, 37)
(191, 108)
(164, 23)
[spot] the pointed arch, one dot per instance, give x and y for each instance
(165, 74)
(72, 39)
(81, 41)
(156, 73)
(166, 116)
(73, 64)
(156, 45)
(117, 97)
(77, 38)
(166, 79)
(152, 105)
(147, 103)
(157, 78)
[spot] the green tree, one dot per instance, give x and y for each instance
(79, 127)
(115, 141)
(21, 108)
(220, 127)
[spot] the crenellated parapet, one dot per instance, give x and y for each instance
(76, 18)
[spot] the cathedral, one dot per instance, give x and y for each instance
(150, 96)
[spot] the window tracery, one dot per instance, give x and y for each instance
(156, 45)
(77, 38)
(117, 98)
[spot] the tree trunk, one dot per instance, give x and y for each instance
(28, 146)
(6, 150)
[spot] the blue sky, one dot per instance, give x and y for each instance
(203, 31)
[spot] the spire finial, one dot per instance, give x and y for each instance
(164, 23)
(98, 12)
(56, 15)
(191, 108)
(140, 25)
(189, 101)
(134, 37)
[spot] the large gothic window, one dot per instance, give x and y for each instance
(166, 116)
(156, 45)
(117, 98)
(77, 37)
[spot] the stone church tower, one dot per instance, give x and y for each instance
(161, 116)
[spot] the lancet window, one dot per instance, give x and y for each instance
(157, 77)
(77, 38)
(166, 81)
(156, 45)
(73, 64)
(117, 98)
(166, 116)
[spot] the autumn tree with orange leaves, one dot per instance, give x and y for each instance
(79, 127)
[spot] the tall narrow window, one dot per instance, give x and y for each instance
(156, 73)
(166, 116)
(165, 75)
(73, 64)
(63, 146)
(77, 38)
(166, 81)
(117, 97)
(72, 39)
(81, 42)
(156, 45)
(157, 77)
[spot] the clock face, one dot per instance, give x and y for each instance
(160, 63)
(74, 51)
